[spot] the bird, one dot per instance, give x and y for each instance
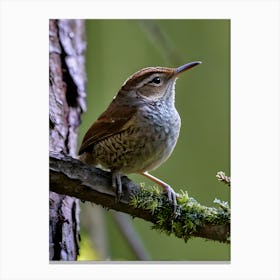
(139, 129)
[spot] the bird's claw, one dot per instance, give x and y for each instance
(117, 185)
(172, 196)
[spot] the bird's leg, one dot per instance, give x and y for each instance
(117, 184)
(171, 194)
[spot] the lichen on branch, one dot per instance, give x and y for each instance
(190, 215)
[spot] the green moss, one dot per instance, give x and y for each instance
(189, 217)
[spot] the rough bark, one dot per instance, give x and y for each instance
(66, 103)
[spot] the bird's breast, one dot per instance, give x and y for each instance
(161, 127)
(144, 145)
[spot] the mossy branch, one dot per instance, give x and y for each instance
(72, 177)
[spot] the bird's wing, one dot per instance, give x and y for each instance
(112, 121)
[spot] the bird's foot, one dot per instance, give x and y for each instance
(117, 185)
(171, 194)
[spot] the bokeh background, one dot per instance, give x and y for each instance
(115, 50)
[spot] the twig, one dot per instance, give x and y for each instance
(125, 226)
(221, 176)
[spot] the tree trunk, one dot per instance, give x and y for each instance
(66, 103)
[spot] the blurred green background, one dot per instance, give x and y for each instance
(115, 50)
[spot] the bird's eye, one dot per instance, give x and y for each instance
(155, 80)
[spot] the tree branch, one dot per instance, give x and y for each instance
(74, 178)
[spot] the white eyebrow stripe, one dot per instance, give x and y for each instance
(150, 78)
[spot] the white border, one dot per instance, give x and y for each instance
(254, 128)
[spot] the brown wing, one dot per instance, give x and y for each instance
(114, 120)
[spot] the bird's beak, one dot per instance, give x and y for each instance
(186, 67)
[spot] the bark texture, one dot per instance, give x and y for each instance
(66, 103)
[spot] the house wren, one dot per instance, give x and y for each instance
(139, 129)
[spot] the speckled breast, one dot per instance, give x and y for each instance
(143, 146)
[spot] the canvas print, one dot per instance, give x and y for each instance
(139, 140)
